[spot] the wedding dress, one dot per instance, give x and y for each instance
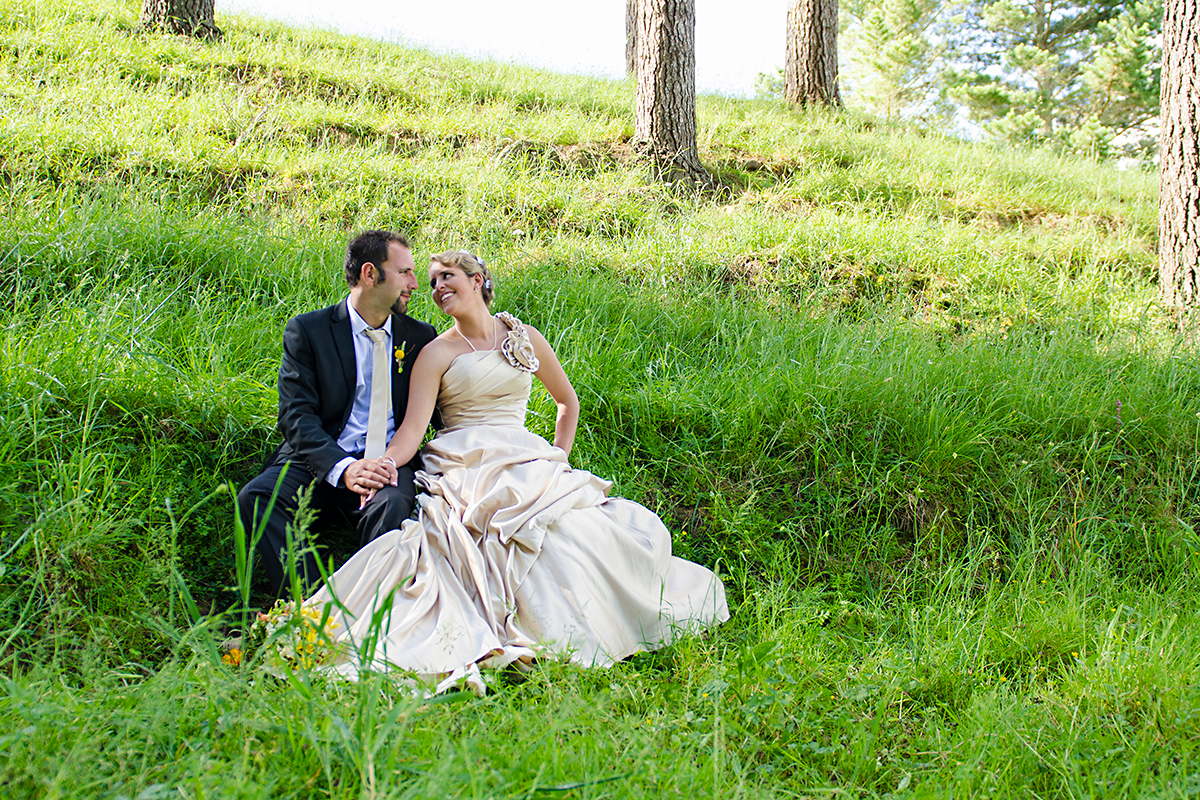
(515, 555)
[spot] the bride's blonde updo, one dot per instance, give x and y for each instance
(471, 265)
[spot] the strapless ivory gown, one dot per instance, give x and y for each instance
(515, 555)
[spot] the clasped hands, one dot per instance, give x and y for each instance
(368, 475)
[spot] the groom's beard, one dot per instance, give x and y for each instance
(400, 306)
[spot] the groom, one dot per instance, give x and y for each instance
(331, 424)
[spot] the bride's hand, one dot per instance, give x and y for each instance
(368, 475)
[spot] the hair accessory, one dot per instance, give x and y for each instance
(487, 284)
(478, 260)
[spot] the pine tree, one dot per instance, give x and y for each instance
(1057, 71)
(894, 53)
(1124, 81)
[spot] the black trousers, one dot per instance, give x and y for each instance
(387, 511)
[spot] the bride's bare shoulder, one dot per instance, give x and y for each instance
(445, 337)
(442, 350)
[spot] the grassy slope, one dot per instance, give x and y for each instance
(912, 395)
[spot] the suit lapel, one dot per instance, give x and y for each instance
(399, 397)
(343, 341)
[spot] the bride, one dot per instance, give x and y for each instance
(515, 555)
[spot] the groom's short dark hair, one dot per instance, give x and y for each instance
(369, 247)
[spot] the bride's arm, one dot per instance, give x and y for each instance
(432, 362)
(554, 378)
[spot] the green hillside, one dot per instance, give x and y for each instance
(913, 397)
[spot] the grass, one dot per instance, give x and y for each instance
(913, 397)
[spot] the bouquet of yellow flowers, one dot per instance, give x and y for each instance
(295, 636)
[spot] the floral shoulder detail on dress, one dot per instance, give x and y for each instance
(516, 347)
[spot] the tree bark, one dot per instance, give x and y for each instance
(180, 17)
(665, 126)
(631, 37)
(811, 70)
(1179, 157)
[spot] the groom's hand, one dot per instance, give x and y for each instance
(367, 475)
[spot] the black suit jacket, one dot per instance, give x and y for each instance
(317, 379)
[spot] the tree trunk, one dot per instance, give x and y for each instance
(665, 126)
(811, 68)
(180, 17)
(631, 37)
(1179, 157)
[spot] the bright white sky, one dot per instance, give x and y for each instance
(735, 39)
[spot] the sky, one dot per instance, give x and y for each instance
(735, 39)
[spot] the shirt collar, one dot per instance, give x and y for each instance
(358, 324)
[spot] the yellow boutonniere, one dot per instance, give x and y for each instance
(400, 353)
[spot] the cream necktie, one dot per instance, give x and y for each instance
(381, 394)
